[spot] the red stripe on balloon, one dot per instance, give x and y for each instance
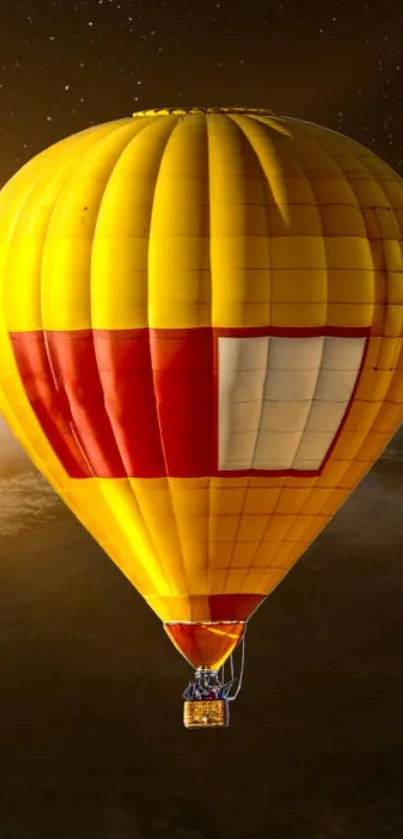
(113, 404)
(48, 401)
(184, 383)
(140, 403)
(126, 377)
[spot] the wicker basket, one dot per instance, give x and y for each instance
(211, 714)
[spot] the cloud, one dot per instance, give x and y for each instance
(25, 497)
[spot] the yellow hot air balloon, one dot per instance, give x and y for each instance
(201, 321)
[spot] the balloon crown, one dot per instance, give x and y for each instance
(198, 110)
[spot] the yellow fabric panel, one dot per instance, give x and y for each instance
(278, 527)
(265, 580)
(305, 527)
(27, 204)
(298, 286)
(220, 554)
(121, 238)
(226, 498)
(265, 555)
(349, 284)
(223, 528)
(292, 500)
(351, 315)
(242, 552)
(316, 500)
(362, 415)
(390, 350)
(333, 502)
(349, 444)
(217, 579)
(373, 385)
(395, 392)
(179, 247)
(250, 527)
(353, 474)
(237, 200)
(235, 580)
(281, 207)
(300, 315)
(391, 416)
(333, 474)
(261, 500)
(67, 249)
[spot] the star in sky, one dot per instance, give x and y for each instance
(64, 66)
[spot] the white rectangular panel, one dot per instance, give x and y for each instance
(243, 353)
(343, 353)
(290, 385)
(281, 400)
(242, 370)
(284, 416)
(277, 445)
(296, 353)
(335, 385)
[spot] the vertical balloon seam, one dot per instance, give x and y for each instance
(292, 517)
(29, 190)
(284, 486)
(214, 371)
(322, 150)
(114, 163)
(48, 175)
(279, 497)
(243, 141)
(42, 177)
(48, 334)
(323, 344)
(285, 121)
(264, 180)
(152, 358)
(212, 484)
(209, 141)
(244, 134)
(15, 186)
(369, 238)
(100, 484)
(127, 142)
(67, 186)
(149, 338)
(379, 184)
(320, 219)
(148, 123)
(264, 184)
(362, 367)
(392, 209)
(277, 125)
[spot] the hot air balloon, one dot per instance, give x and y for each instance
(201, 321)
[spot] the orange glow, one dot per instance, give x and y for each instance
(205, 644)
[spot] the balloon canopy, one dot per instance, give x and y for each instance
(201, 322)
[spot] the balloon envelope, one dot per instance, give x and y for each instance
(201, 320)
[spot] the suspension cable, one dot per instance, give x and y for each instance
(239, 678)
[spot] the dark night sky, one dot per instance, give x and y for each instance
(65, 64)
